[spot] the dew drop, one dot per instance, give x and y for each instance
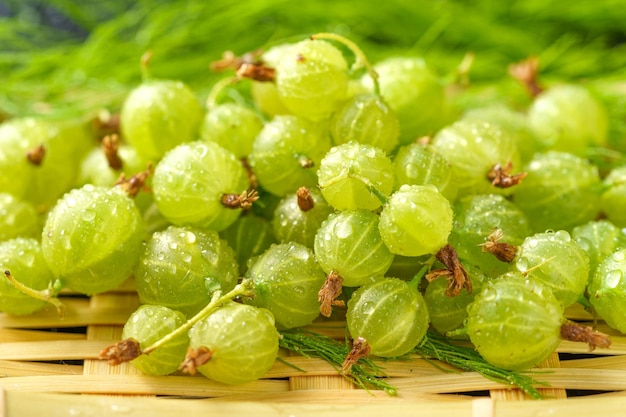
(70, 201)
(342, 229)
(619, 256)
(411, 170)
(522, 264)
(171, 268)
(532, 243)
(368, 307)
(211, 284)
(186, 257)
(613, 278)
(201, 150)
(88, 215)
(298, 289)
(563, 235)
(190, 237)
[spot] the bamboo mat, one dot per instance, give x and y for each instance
(46, 362)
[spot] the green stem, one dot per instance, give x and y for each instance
(437, 346)
(49, 295)
(145, 65)
(218, 87)
(364, 373)
(415, 281)
(217, 300)
(361, 60)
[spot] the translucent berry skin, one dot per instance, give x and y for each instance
(312, 79)
(560, 191)
(415, 221)
(449, 313)
(249, 237)
(349, 242)
(159, 115)
(366, 118)
(414, 93)
(148, 324)
(287, 280)
(265, 94)
(181, 267)
(566, 274)
(473, 148)
(64, 145)
(390, 314)
(416, 164)
(514, 322)
(23, 258)
(243, 340)
(349, 172)
(232, 126)
(287, 152)
(599, 239)
(475, 218)
(607, 290)
(18, 218)
(516, 124)
(189, 183)
(568, 118)
(292, 224)
(95, 168)
(614, 196)
(92, 238)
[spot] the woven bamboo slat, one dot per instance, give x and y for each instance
(45, 361)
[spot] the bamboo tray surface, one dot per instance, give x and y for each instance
(49, 366)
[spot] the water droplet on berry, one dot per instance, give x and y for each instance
(88, 215)
(368, 307)
(613, 278)
(619, 256)
(342, 230)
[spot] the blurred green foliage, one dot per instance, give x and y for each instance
(60, 56)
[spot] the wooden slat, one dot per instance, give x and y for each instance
(20, 368)
(77, 313)
(52, 350)
(18, 335)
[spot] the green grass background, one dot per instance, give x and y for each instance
(71, 57)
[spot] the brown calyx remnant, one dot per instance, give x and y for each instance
(195, 358)
(110, 147)
(327, 295)
(304, 198)
(500, 176)
(246, 66)
(575, 332)
(123, 351)
(105, 124)
(454, 271)
(505, 252)
(360, 349)
(527, 73)
(240, 201)
(306, 162)
(35, 155)
(131, 186)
